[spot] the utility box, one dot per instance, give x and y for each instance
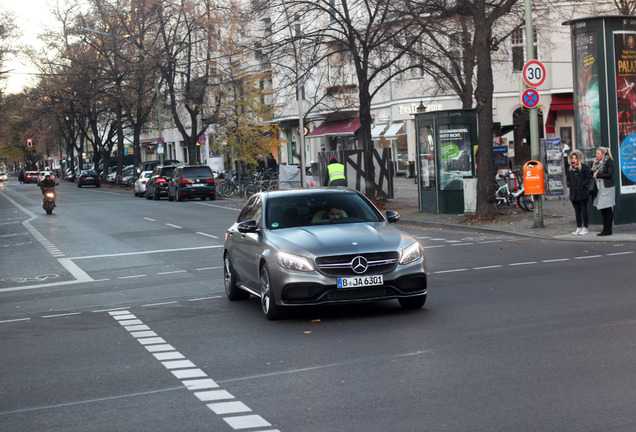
(533, 178)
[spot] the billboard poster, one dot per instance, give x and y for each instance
(455, 154)
(625, 63)
(587, 103)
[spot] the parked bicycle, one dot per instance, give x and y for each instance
(507, 196)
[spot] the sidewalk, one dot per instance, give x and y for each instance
(558, 218)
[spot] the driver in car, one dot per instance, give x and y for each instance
(333, 214)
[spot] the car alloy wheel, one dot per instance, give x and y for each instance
(270, 308)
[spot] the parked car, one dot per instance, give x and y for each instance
(140, 184)
(151, 164)
(71, 175)
(4, 177)
(88, 177)
(110, 177)
(127, 177)
(31, 177)
(157, 185)
(286, 248)
(192, 181)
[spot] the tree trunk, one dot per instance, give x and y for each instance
(366, 141)
(483, 98)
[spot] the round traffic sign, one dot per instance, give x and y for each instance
(160, 140)
(534, 73)
(202, 139)
(530, 98)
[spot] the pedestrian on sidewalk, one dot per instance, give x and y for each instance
(579, 177)
(605, 200)
(336, 172)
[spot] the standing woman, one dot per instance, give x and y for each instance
(605, 200)
(579, 177)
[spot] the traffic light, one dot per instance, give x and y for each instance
(29, 142)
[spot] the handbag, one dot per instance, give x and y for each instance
(592, 189)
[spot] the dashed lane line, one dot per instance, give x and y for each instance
(528, 263)
(219, 401)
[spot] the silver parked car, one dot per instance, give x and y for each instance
(320, 246)
(140, 184)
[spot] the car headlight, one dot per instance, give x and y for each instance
(294, 262)
(411, 253)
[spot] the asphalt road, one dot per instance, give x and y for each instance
(113, 317)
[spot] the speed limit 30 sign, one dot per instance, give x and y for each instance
(534, 73)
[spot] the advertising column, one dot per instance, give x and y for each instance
(625, 62)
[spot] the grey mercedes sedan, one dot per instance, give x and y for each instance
(320, 246)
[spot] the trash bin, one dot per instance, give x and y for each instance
(470, 196)
(533, 178)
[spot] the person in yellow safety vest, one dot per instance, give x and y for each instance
(336, 173)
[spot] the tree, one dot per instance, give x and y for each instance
(371, 37)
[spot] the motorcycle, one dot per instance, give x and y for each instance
(48, 202)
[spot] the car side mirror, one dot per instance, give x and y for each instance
(392, 216)
(246, 227)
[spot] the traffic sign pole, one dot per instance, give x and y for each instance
(534, 118)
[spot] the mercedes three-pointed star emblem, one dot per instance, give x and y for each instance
(359, 264)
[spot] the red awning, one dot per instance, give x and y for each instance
(562, 102)
(339, 128)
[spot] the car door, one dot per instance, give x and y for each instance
(247, 247)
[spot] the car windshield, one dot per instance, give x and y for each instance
(318, 209)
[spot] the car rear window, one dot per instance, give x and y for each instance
(167, 171)
(197, 172)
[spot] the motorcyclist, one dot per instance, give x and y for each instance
(47, 184)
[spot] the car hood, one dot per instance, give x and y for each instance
(339, 239)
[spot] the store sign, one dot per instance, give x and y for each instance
(412, 108)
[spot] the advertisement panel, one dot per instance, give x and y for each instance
(586, 92)
(625, 64)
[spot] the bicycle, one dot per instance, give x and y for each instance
(507, 197)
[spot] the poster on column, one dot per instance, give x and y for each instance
(586, 93)
(625, 62)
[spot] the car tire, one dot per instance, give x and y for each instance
(98, 185)
(136, 193)
(203, 198)
(79, 185)
(170, 197)
(156, 196)
(268, 303)
(179, 196)
(232, 291)
(413, 302)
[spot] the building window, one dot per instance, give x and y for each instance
(518, 42)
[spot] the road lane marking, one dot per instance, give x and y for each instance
(61, 315)
(172, 272)
(487, 267)
(452, 271)
(174, 226)
(150, 219)
(207, 235)
(159, 304)
(132, 277)
(620, 253)
(145, 252)
(14, 320)
(223, 403)
(522, 263)
(556, 260)
(587, 257)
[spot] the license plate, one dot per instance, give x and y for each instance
(360, 281)
(198, 185)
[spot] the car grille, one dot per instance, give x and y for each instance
(340, 265)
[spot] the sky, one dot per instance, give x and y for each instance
(32, 16)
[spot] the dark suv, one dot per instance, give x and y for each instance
(192, 181)
(158, 183)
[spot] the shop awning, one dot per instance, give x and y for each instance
(377, 130)
(339, 128)
(394, 130)
(562, 102)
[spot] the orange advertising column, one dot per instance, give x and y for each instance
(533, 178)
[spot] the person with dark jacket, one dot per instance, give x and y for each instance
(579, 178)
(21, 175)
(47, 183)
(336, 172)
(605, 199)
